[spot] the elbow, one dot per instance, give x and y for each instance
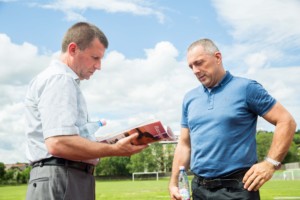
(293, 124)
(53, 146)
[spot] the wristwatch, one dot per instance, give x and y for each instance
(275, 163)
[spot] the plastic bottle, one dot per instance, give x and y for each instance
(89, 129)
(183, 184)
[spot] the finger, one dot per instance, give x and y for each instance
(252, 185)
(249, 182)
(176, 197)
(133, 136)
(261, 182)
(247, 175)
(256, 183)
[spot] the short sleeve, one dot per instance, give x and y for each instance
(58, 106)
(184, 116)
(258, 99)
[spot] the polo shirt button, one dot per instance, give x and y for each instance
(34, 184)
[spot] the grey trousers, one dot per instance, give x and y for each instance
(60, 183)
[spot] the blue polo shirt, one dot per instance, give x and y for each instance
(222, 124)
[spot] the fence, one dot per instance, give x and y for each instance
(290, 174)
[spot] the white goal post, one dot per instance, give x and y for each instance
(136, 173)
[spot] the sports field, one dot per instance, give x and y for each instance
(152, 189)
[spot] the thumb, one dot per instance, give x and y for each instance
(132, 138)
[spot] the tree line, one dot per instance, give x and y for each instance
(157, 158)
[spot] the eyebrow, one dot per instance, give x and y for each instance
(199, 61)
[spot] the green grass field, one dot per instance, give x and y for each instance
(152, 189)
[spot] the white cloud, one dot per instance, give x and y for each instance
(18, 62)
(256, 61)
(12, 143)
(262, 31)
(284, 85)
(73, 9)
(269, 20)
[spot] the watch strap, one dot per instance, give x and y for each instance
(273, 162)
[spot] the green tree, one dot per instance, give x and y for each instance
(113, 166)
(9, 176)
(292, 155)
(142, 162)
(23, 176)
(264, 139)
(2, 171)
(169, 154)
(297, 139)
(158, 157)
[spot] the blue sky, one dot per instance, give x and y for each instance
(126, 30)
(144, 73)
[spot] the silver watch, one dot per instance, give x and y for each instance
(275, 163)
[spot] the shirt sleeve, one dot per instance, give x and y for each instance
(58, 106)
(258, 99)
(184, 117)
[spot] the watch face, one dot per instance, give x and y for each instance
(277, 167)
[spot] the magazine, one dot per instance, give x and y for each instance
(149, 132)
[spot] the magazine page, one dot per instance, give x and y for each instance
(149, 132)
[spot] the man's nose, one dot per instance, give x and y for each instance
(98, 65)
(196, 69)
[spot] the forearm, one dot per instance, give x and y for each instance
(285, 127)
(282, 139)
(77, 148)
(181, 158)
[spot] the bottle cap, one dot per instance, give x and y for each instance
(181, 168)
(102, 122)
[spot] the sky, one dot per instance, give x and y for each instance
(144, 73)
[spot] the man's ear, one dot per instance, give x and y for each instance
(73, 48)
(218, 55)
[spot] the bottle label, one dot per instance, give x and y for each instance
(184, 193)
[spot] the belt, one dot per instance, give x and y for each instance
(231, 180)
(53, 161)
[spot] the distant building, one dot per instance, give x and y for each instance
(19, 166)
(295, 165)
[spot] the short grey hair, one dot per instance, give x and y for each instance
(207, 44)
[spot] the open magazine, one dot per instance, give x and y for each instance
(149, 132)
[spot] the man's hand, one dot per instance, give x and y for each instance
(174, 193)
(257, 175)
(125, 146)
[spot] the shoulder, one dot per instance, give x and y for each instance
(243, 80)
(194, 92)
(54, 76)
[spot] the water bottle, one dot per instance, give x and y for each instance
(183, 184)
(89, 129)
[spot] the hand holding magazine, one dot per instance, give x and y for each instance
(149, 132)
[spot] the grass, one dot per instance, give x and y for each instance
(152, 189)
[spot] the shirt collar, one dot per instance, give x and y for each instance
(227, 77)
(68, 70)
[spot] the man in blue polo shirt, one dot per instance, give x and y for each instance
(218, 131)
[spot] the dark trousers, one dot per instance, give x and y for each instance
(228, 187)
